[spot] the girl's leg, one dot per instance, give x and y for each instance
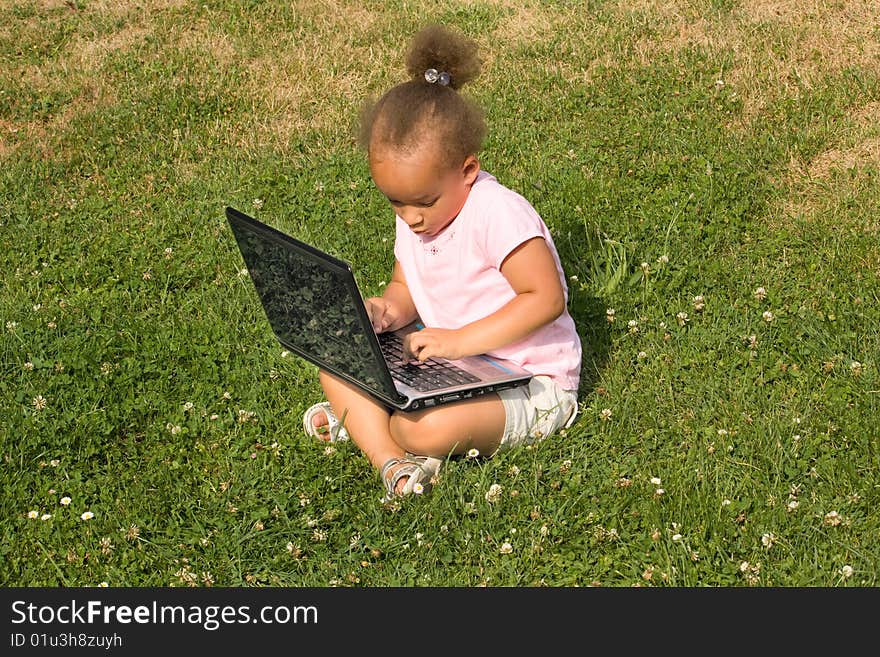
(452, 428)
(366, 419)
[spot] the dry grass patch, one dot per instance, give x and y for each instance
(316, 79)
(77, 70)
(820, 189)
(778, 46)
(859, 146)
(582, 43)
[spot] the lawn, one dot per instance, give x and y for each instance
(709, 171)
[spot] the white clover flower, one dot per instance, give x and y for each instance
(855, 367)
(473, 453)
(257, 203)
(87, 515)
(609, 314)
(29, 366)
(793, 504)
(514, 470)
(663, 259)
(39, 402)
(284, 354)
(65, 501)
(168, 251)
(633, 326)
(832, 518)
(768, 539)
(645, 267)
(744, 566)
(722, 432)
(33, 514)
(641, 355)
(605, 414)
(760, 293)
(676, 538)
(494, 493)
(55, 463)
(725, 502)
(847, 571)
(188, 406)
(544, 531)
(682, 318)
(660, 491)
(656, 481)
(767, 315)
(506, 548)
(699, 303)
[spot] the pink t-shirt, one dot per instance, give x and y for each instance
(455, 276)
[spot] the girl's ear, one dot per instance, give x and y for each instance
(470, 168)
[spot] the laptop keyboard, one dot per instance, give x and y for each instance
(430, 375)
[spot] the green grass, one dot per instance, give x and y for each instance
(171, 414)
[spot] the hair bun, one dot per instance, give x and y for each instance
(442, 50)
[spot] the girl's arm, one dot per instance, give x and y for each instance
(395, 308)
(531, 271)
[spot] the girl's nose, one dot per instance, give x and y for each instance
(412, 218)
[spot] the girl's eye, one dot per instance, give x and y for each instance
(423, 204)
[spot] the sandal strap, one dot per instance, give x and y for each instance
(408, 468)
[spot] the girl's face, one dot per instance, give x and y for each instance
(425, 193)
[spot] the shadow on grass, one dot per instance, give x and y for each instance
(588, 312)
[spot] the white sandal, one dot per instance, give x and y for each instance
(335, 431)
(421, 471)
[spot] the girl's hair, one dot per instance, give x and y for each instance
(413, 112)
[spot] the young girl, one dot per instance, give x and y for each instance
(473, 261)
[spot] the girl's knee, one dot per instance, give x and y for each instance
(415, 432)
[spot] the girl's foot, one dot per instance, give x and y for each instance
(320, 422)
(409, 474)
(322, 425)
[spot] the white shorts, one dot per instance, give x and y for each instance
(536, 411)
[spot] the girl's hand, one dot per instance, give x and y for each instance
(381, 313)
(433, 342)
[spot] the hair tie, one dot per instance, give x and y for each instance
(433, 76)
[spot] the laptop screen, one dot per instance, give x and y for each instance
(312, 304)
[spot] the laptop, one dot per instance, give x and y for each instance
(316, 311)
